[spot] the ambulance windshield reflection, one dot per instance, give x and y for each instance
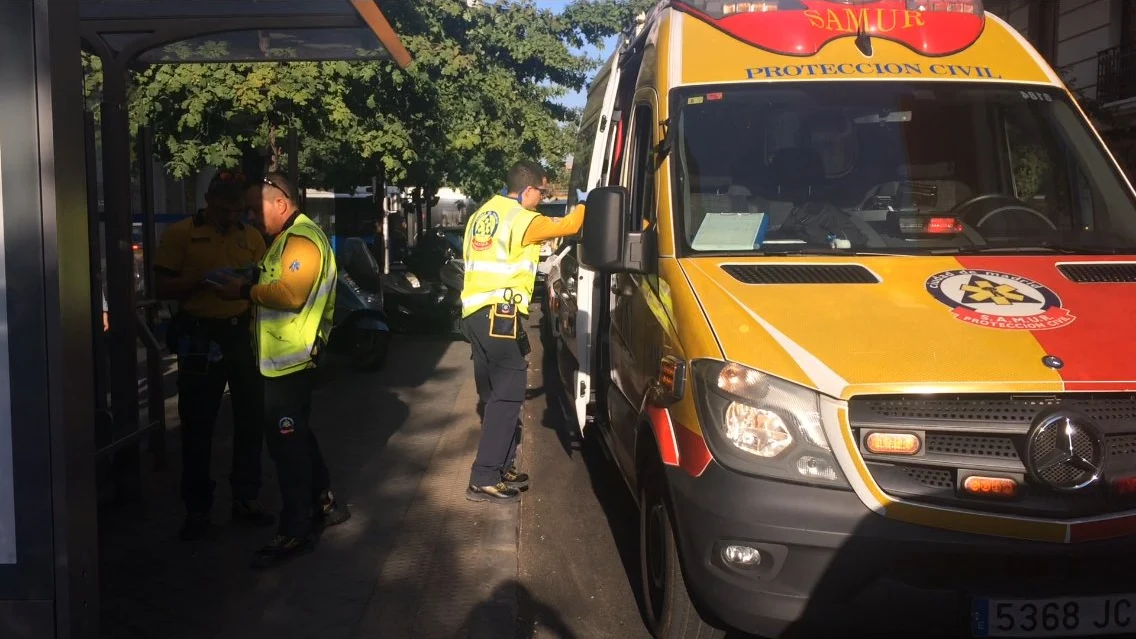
(894, 167)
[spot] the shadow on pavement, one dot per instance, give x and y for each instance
(534, 615)
(153, 585)
(558, 409)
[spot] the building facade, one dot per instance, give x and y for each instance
(1092, 44)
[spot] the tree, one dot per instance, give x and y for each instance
(481, 93)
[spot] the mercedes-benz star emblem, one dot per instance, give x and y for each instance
(1065, 452)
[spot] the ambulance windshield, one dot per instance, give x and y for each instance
(917, 168)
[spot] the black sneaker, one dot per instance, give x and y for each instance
(281, 549)
(196, 527)
(330, 512)
(514, 479)
(251, 513)
(499, 493)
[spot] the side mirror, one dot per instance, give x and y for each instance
(607, 245)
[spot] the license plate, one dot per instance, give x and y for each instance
(1064, 617)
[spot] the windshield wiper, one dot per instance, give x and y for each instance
(818, 250)
(1044, 247)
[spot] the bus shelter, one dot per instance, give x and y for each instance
(49, 211)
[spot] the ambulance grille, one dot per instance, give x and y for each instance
(931, 477)
(1088, 273)
(988, 435)
(800, 273)
(971, 446)
(985, 412)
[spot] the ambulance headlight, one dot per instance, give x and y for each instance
(763, 425)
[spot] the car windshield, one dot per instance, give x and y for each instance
(889, 167)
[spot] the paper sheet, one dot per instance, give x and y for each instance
(731, 232)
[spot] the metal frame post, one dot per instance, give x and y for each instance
(104, 421)
(120, 280)
(49, 555)
(155, 387)
(67, 295)
(294, 166)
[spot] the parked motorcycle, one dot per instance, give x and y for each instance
(360, 326)
(415, 297)
(414, 303)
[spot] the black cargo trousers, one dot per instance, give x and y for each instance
(501, 373)
(300, 467)
(213, 353)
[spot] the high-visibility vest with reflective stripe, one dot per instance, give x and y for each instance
(498, 265)
(286, 340)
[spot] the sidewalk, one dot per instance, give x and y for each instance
(416, 560)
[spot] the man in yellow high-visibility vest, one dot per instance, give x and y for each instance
(501, 252)
(294, 300)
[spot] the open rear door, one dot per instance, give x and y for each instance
(608, 135)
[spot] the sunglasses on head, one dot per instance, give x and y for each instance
(277, 187)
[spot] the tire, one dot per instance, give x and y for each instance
(669, 610)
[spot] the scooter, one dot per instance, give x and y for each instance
(438, 246)
(360, 326)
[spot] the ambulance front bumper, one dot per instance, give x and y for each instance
(830, 564)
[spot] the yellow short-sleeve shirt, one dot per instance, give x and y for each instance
(192, 248)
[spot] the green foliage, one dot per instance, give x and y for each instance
(1031, 170)
(92, 82)
(482, 92)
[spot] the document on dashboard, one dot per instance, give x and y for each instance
(731, 232)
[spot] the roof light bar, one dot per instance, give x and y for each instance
(803, 27)
(973, 7)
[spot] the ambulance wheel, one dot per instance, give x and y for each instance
(670, 611)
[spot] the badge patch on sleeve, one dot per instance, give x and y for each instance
(287, 426)
(294, 266)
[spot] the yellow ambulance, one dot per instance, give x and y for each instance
(854, 312)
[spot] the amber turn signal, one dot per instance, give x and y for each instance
(990, 486)
(893, 443)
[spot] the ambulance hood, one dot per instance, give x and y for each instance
(900, 324)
